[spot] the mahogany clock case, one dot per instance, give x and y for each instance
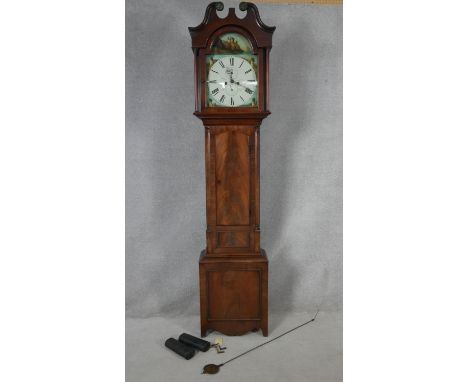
(300, 162)
(233, 267)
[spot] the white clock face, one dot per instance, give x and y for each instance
(232, 82)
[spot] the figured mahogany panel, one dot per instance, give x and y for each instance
(232, 178)
(234, 239)
(234, 294)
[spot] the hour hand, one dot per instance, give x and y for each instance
(221, 82)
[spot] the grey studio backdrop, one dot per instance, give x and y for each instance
(301, 159)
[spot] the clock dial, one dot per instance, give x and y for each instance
(232, 82)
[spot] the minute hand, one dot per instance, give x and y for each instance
(238, 83)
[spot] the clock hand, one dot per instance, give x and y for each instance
(222, 82)
(238, 83)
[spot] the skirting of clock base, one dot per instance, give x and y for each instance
(233, 294)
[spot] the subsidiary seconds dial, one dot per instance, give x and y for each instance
(232, 82)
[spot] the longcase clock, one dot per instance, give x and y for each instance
(231, 98)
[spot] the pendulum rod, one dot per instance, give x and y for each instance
(213, 369)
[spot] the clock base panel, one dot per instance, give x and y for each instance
(234, 294)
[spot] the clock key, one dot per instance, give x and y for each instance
(218, 345)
